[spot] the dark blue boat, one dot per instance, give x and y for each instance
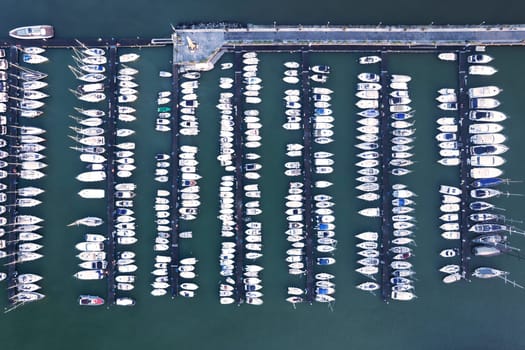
(479, 205)
(401, 116)
(488, 228)
(489, 182)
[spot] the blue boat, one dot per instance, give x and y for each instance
(324, 261)
(480, 205)
(489, 182)
(487, 228)
(401, 116)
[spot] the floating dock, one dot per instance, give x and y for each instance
(175, 182)
(240, 293)
(385, 151)
(464, 145)
(309, 219)
(110, 174)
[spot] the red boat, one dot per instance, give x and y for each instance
(90, 300)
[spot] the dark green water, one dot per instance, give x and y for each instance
(476, 315)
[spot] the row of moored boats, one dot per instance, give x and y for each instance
(94, 132)
(373, 167)
(21, 148)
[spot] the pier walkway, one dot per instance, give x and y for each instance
(12, 178)
(464, 145)
(175, 184)
(212, 41)
(385, 191)
(110, 173)
(309, 222)
(240, 293)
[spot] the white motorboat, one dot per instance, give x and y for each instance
(487, 161)
(447, 56)
(367, 104)
(485, 173)
(90, 274)
(369, 77)
(484, 91)
(90, 246)
(481, 70)
(92, 256)
(369, 59)
(92, 176)
(484, 103)
(487, 139)
(485, 128)
(128, 57)
(402, 296)
(479, 58)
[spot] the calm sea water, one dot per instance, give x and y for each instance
(476, 315)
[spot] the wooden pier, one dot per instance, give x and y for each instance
(12, 179)
(110, 174)
(240, 292)
(464, 146)
(309, 219)
(385, 191)
(173, 272)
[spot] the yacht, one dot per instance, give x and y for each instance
(91, 176)
(33, 32)
(484, 91)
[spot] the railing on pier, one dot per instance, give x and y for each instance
(239, 177)
(385, 191)
(464, 143)
(175, 184)
(12, 142)
(110, 173)
(309, 223)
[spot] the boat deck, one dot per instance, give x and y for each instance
(385, 151)
(309, 219)
(175, 183)
(110, 174)
(12, 179)
(464, 141)
(239, 176)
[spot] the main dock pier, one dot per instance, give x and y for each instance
(210, 41)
